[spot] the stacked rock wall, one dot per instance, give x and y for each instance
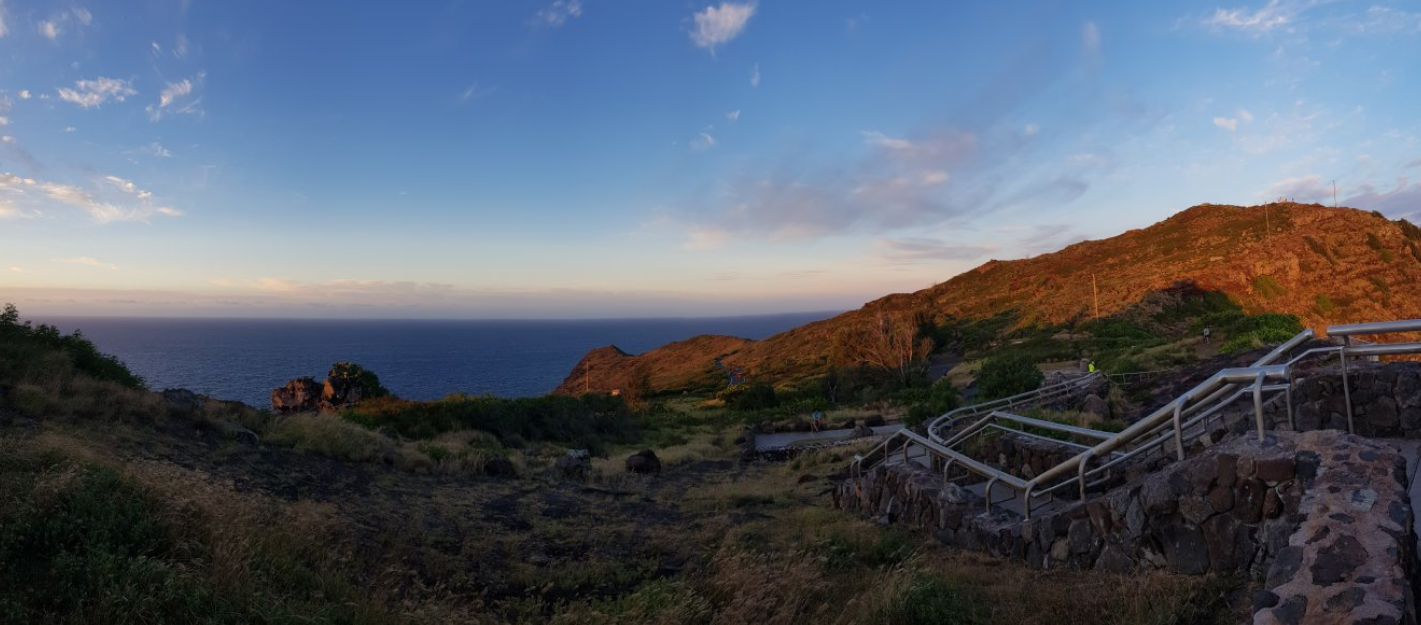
(1239, 506)
(1386, 399)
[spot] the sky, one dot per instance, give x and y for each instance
(645, 158)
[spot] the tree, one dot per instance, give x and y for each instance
(894, 342)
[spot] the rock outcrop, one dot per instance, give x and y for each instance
(346, 385)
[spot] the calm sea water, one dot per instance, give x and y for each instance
(244, 359)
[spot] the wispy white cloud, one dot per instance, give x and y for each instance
(92, 93)
(125, 202)
(1231, 124)
(558, 13)
(154, 149)
(1310, 188)
(475, 92)
(25, 94)
(177, 97)
(87, 261)
(733, 116)
(52, 28)
(718, 25)
(4, 29)
(703, 141)
(1257, 21)
(915, 250)
(755, 75)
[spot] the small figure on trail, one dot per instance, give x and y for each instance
(1092, 366)
(814, 419)
(1206, 335)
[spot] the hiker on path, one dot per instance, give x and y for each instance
(1206, 335)
(1092, 366)
(814, 419)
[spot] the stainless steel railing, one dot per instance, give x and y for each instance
(1183, 419)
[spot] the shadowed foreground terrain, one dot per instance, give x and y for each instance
(123, 505)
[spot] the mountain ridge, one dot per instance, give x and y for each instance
(1325, 265)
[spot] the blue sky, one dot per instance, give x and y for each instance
(592, 158)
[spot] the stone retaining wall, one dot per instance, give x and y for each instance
(1386, 399)
(1233, 507)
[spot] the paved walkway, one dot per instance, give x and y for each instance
(785, 439)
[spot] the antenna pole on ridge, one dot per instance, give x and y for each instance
(1095, 295)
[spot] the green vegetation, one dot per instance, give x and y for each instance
(925, 404)
(589, 422)
(1323, 305)
(80, 543)
(1268, 287)
(23, 345)
(1254, 331)
(1376, 244)
(1006, 375)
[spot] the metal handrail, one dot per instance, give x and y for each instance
(1044, 393)
(1165, 423)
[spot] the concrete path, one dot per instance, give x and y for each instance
(785, 439)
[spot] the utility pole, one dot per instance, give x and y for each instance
(1095, 295)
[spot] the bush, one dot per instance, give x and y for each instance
(1007, 375)
(591, 421)
(81, 353)
(940, 398)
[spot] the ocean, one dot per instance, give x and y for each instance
(243, 359)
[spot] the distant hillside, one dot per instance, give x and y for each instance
(1325, 265)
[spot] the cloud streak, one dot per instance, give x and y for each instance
(558, 13)
(92, 93)
(110, 199)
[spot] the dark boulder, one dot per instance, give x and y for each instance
(874, 421)
(498, 466)
(182, 401)
(644, 462)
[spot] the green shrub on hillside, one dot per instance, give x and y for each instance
(1324, 305)
(24, 347)
(1007, 375)
(932, 402)
(1268, 287)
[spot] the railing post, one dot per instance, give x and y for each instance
(1080, 470)
(987, 492)
(946, 466)
(1026, 502)
(1258, 404)
(1178, 430)
(1346, 388)
(1292, 423)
